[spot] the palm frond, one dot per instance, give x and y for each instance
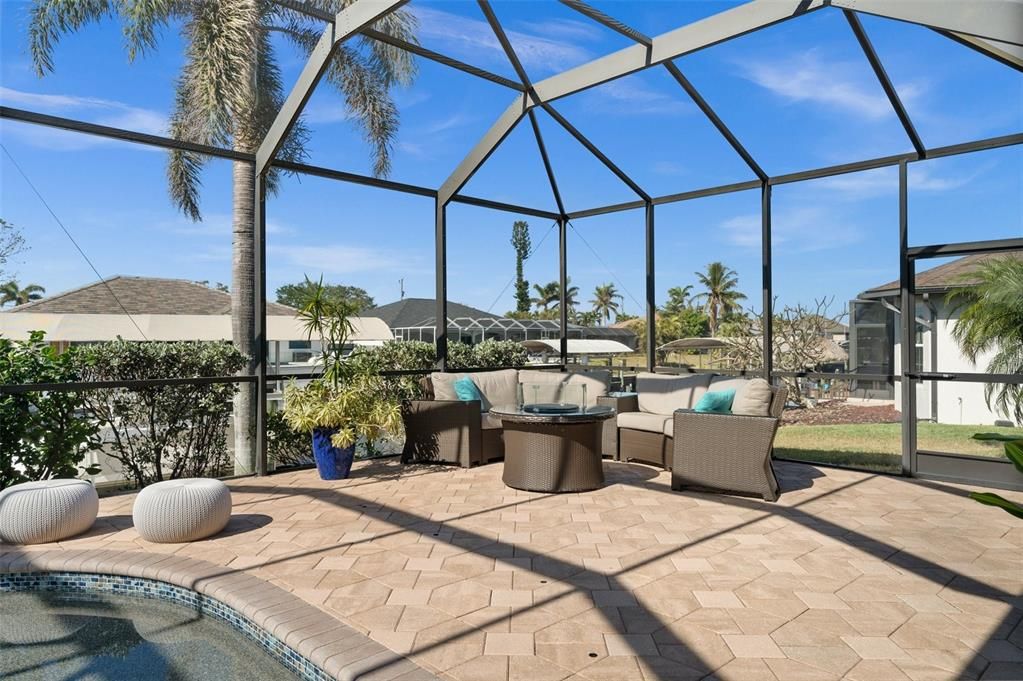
(141, 20)
(220, 74)
(184, 167)
(51, 19)
(270, 99)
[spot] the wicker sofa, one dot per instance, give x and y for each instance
(443, 429)
(646, 424)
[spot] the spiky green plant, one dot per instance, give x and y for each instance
(1014, 453)
(11, 292)
(991, 320)
(227, 94)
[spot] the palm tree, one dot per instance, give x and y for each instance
(545, 295)
(605, 301)
(991, 320)
(227, 94)
(678, 299)
(571, 295)
(721, 296)
(12, 293)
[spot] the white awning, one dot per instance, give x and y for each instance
(579, 346)
(90, 328)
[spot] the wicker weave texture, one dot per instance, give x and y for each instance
(47, 511)
(553, 457)
(443, 432)
(182, 510)
(726, 451)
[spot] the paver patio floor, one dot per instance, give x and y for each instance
(848, 575)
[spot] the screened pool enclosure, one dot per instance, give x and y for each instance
(992, 29)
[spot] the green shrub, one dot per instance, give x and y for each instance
(286, 446)
(409, 355)
(42, 434)
(498, 353)
(168, 431)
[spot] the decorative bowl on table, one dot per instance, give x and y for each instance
(550, 408)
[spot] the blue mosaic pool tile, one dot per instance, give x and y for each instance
(138, 587)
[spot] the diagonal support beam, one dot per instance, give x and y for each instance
(506, 45)
(1010, 55)
(347, 23)
(716, 121)
(886, 83)
(690, 38)
(546, 162)
(478, 155)
(418, 50)
(590, 147)
(1000, 20)
(608, 21)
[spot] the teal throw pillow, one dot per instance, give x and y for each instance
(719, 402)
(466, 390)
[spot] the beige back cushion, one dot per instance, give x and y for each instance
(596, 383)
(753, 398)
(497, 387)
(663, 394)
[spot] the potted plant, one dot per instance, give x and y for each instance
(348, 402)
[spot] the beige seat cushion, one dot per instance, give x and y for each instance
(754, 399)
(497, 387)
(663, 394)
(596, 383)
(736, 383)
(638, 420)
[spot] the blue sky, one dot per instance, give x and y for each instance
(799, 95)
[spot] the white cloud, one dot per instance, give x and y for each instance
(668, 168)
(455, 120)
(803, 230)
(342, 259)
(882, 181)
(101, 111)
(563, 29)
(807, 77)
(111, 112)
(630, 96)
(474, 37)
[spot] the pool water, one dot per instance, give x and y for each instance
(92, 637)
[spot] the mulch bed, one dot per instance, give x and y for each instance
(839, 412)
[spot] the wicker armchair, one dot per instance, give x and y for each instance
(448, 432)
(727, 452)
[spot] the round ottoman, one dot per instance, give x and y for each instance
(182, 510)
(47, 510)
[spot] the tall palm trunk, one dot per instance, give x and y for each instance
(243, 321)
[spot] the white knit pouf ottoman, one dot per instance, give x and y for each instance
(46, 511)
(182, 510)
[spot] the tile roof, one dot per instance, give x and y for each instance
(141, 295)
(951, 275)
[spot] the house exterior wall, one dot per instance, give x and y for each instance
(950, 402)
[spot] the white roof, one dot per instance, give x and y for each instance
(579, 346)
(166, 327)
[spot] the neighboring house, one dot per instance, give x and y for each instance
(157, 309)
(875, 347)
(413, 319)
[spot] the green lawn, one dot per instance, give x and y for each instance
(878, 446)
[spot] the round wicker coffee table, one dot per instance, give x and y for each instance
(553, 452)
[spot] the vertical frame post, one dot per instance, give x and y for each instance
(768, 316)
(440, 334)
(907, 323)
(563, 286)
(651, 293)
(259, 317)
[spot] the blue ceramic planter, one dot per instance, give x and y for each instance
(332, 463)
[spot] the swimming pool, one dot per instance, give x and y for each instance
(62, 635)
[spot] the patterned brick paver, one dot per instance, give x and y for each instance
(848, 576)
